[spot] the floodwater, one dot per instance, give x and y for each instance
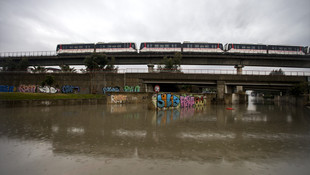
(259, 138)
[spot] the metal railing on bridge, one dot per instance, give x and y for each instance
(27, 54)
(215, 71)
(183, 71)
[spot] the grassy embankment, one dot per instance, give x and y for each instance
(44, 96)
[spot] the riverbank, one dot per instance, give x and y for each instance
(46, 96)
(9, 99)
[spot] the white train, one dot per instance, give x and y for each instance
(83, 48)
(185, 47)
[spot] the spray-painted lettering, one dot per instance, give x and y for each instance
(6, 88)
(187, 101)
(110, 89)
(70, 89)
(167, 100)
(118, 98)
(132, 89)
(48, 89)
(27, 88)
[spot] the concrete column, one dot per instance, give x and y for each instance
(150, 68)
(220, 90)
(239, 72)
(149, 88)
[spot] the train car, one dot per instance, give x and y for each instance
(245, 48)
(285, 50)
(75, 48)
(128, 47)
(306, 50)
(160, 47)
(201, 47)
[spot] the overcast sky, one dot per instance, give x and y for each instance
(37, 25)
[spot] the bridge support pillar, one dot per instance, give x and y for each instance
(239, 72)
(149, 88)
(150, 68)
(220, 90)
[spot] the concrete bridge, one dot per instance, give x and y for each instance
(95, 82)
(51, 59)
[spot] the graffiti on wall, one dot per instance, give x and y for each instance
(132, 89)
(118, 89)
(70, 89)
(118, 98)
(27, 88)
(187, 101)
(48, 89)
(167, 100)
(6, 88)
(110, 89)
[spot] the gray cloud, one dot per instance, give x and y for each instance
(40, 25)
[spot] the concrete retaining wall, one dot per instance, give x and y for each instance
(292, 100)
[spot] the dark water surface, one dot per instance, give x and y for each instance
(130, 139)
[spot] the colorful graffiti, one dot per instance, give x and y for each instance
(167, 100)
(6, 88)
(132, 89)
(70, 89)
(48, 89)
(187, 101)
(110, 89)
(27, 88)
(118, 98)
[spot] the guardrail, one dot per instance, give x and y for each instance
(183, 71)
(216, 71)
(27, 54)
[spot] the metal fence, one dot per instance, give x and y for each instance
(27, 54)
(183, 71)
(214, 71)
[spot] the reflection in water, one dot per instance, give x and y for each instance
(264, 134)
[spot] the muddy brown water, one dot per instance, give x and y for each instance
(258, 138)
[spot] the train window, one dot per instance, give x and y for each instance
(166, 45)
